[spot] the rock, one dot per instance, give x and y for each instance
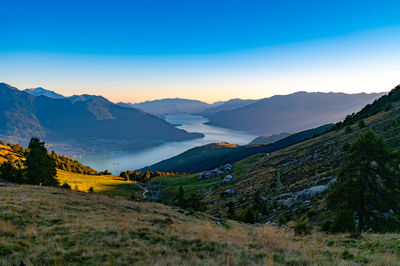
(283, 195)
(229, 192)
(330, 183)
(187, 213)
(227, 166)
(261, 217)
(227, 179)
(263, 198)
(310, 193)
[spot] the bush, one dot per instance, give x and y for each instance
(347, 130)
(66, 186)
(344, 222)
(90, 190)
(361, 124)
(282, 219)
(249, 215)
(302, 228)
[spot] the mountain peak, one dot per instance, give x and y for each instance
(43, 92)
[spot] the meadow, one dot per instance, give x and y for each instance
(101, 184)
(52, 226)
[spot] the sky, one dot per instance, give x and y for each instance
(133, 51)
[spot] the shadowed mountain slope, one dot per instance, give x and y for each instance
(291, 113)
(80, 118)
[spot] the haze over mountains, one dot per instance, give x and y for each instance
(294, 112)
(91, 120)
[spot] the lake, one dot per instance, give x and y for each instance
(131, 160)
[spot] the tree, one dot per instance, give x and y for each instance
(368, 185)
(180, 198)
(10, 173)
(249, 215)
(41, 168)
(194, 202)
(231, 210)
(361, 123)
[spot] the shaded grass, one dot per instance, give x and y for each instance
(190, 184)
(49, 226)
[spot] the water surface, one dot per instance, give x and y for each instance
(131, 160)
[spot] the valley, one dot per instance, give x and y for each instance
(132, 160)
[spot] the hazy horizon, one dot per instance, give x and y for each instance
(134, 52)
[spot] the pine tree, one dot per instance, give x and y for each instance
(231, 210)
(368, 185)
(41, 168)
(180, 198)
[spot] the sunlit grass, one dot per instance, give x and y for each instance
(102, 184)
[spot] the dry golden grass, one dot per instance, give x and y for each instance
(49, 226)
(102, 184)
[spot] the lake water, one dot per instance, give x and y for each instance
(131, 160)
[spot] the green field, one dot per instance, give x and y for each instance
(189, 183)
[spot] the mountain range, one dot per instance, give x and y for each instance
(90, 120)
(170, 106)
(292, 113)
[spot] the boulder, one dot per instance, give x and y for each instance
(227, 166)
(229, 192)
(227, 179)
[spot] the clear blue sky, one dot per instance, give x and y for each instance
(136, 50)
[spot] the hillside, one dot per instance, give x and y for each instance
(210, 156)
(171, 106)
(297, 177)
(89, 123)
(62, 227)
(8, 153)
(269, 139)
(292, 113)
(226, 106)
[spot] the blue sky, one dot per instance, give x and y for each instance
(210, 50)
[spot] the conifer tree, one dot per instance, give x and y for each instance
(41, 168)
(369, 185)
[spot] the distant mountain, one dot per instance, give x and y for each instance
(226, 106)
(43, 92)
(210, 156)
(269, 139)
(170, 106)
(88, 120)
(294, 112)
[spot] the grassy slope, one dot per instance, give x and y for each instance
(7, 151)
(213, 155)
(304, 164)
(102, 184)
(49, 226)
(301, 166)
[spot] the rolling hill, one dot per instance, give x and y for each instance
(292, 113)
(269, 139)
(293, 181)
(92, 121)
(209, 156)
